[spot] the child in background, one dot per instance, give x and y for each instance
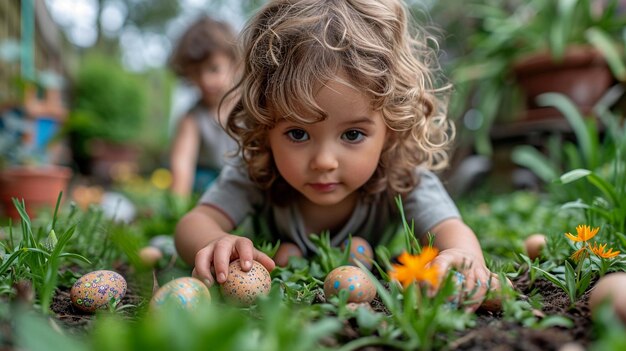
(339, 113)
(206, 56)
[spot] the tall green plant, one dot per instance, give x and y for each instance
(37, 260)
(505, 31)
(590, 161)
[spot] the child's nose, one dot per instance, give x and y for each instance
(324, 160)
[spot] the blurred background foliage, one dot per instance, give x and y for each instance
(112, 56)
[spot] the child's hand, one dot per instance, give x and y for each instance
(218, 254)
(477, 277)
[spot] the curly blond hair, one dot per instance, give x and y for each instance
(292, 46)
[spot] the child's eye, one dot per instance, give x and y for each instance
(297, 135)
(353, 135)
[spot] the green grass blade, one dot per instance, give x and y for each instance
(576, 121)
(56, 209)
(603, 42)
(574, 175)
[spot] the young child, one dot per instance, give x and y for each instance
(206, 56)
(339, 113)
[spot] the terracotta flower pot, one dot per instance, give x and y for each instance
(38, 186)
(583, 75)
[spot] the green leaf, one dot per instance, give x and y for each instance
(605, 187)
(35, 334)
(570, 281)
(75, 256)
(556, 281)
(560, 28)
(555, 321)
(576, 121)
(574, 175)
(8, 261)
(584, 283)
(575, 205)
(529, 157)
(602, 41)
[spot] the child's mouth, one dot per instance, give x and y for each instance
(324, 187)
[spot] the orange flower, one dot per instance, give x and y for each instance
(584, 233)
(413, 268)
(580, 253)
(599, 251)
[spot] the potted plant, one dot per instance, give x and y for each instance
(515, 42)
(109, 107)
(29, 150)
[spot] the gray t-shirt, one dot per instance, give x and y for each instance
(238, 197)
(215, 143)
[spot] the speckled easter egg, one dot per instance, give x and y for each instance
(360, 250)
(97, 289)
(244, 287)
(352, 279)
(286, 250)
(187, 292)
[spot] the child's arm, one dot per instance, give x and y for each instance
(184, 155)
(459, 248)
(202, 240)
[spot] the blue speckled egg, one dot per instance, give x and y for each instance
(352, 279)
(185, 291)
(95, 290)
(361, 251)
(243, 288)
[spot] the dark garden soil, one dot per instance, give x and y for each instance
(491, 331)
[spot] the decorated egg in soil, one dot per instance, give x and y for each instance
(187, 292)
(286, 250)
(610, 288)
(534, 244)
(150, 255)
(98, 289)
(352, 279)
(360, 250)
(242, 287)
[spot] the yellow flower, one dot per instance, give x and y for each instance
(161, 178)
(598, 250)
(413, 268)
(584, 233)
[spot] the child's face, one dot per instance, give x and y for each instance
(329, 160)
(213, 77)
